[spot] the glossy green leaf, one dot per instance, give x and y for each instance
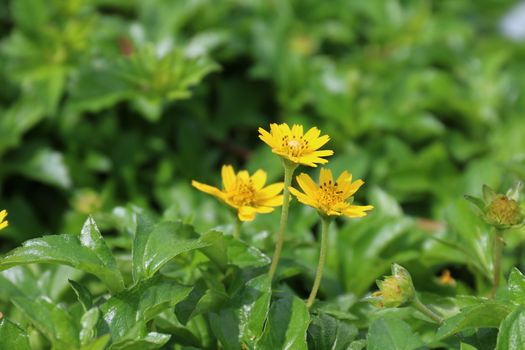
(152, 340)
(391, 333)
(140, 304)
(47, 166)
(97, 344)
(511, 335)
(516, 287)
(12, 336)
(286, 326)
(85, 254)
(328, 333)
(88, 324)
(156, 244)
(487, 314)
(52, 320)
(83, 295)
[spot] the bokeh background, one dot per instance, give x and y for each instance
(111, 105)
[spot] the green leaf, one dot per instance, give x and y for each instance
(488, 314)
(83, 295)
(511, 335)
(152, 340)
(88, 324)
(140, 304)
(328, 333)
(242, 318)
(465, 346)
(97, 344)
(286, 326)
(85, 254)
(516, 287)
(12, 336)
(54, 322)
(391, 333)
(156, 244)
(47, 166)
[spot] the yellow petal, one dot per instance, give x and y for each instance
(308, 185)
(297, 131)
(246, 213)
(244, 176)
(3, 214)
(312, 134)
(301, 197)
(319, 142)
(214, 191)
(266, 137)
(353, 188)
(270, 190)
(285, 129)
(325, 176)
(259, 179)
(263, 209)
(228, 177)
(356, 211)
(323, 153)
(345, 178)
(272, 201)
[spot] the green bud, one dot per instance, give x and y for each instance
(396, 290)
(500, 210)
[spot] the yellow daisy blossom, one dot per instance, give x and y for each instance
(293, 145)
(245, 193)
(331, 198)
(3, 223)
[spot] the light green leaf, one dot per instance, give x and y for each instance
(12, 336)
(54, 322)
(511, 335)
(97, 344)
(488, 314)
(516, 287)
(47, 166)
(88, 324)
(393, 334)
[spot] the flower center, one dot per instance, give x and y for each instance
(294, 146)
(330, 194)
(244, 193)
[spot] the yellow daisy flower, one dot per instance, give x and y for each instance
(293, 145)
(331, 198)
(3, 223)
(245, 193)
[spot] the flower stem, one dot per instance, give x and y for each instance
(289, 169)
(496, 261)
(325, 223)
(237, 227)
(425, 310)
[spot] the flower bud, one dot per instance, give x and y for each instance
(396, 290)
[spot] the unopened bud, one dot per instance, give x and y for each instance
(396, 290)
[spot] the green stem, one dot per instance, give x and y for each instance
(496, 261)
(237, 227)
(426, 311)
(325, 223)
(289, 169)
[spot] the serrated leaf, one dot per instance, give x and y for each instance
(156, 244)
(140, 304)
(286, 326)
(488, 314)
(393, 334)
(327, 332)
(511, 335)
(65, 250)
(12, 336)
(54, 322)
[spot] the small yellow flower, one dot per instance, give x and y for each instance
(245, 193)
(3, 223)
(331, 198)
(293, 145)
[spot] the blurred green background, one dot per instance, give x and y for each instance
(107, 105)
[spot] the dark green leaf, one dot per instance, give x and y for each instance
(287, 324)
(328, 333)
(83, 295)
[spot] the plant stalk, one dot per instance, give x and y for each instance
(425, 310)
(325, 224)
(496, 261)
(289, 169)
(237, 227)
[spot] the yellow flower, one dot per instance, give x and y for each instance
(3, 223)
(331, 198)
(293, 145)
(245, 193)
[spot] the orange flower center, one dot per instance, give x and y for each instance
(243, 193)
(294, 146)
(330, 194)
